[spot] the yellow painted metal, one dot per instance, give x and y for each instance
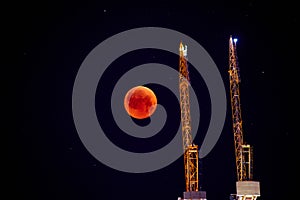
(190, 150)
(236, 110)
(243, 152)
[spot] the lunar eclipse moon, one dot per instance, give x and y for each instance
(140, 102)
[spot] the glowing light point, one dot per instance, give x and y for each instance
(235, 40)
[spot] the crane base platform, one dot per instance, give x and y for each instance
(245, 188)
(194, 195)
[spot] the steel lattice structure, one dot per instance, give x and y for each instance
(190, 150)
(246, 188)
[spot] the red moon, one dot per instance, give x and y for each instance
(140, 102)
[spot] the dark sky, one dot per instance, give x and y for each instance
(57, 36)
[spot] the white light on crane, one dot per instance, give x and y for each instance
(235, 40)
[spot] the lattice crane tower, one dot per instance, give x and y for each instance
(246, 188)
(191, 152)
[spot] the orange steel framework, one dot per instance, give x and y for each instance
(191, 152)
(246, 188)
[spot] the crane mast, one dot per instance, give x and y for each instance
(234, 78)
(246, 188)
(191, 152)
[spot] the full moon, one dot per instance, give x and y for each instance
(140, 102)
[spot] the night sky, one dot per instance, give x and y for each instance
(53, 163)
